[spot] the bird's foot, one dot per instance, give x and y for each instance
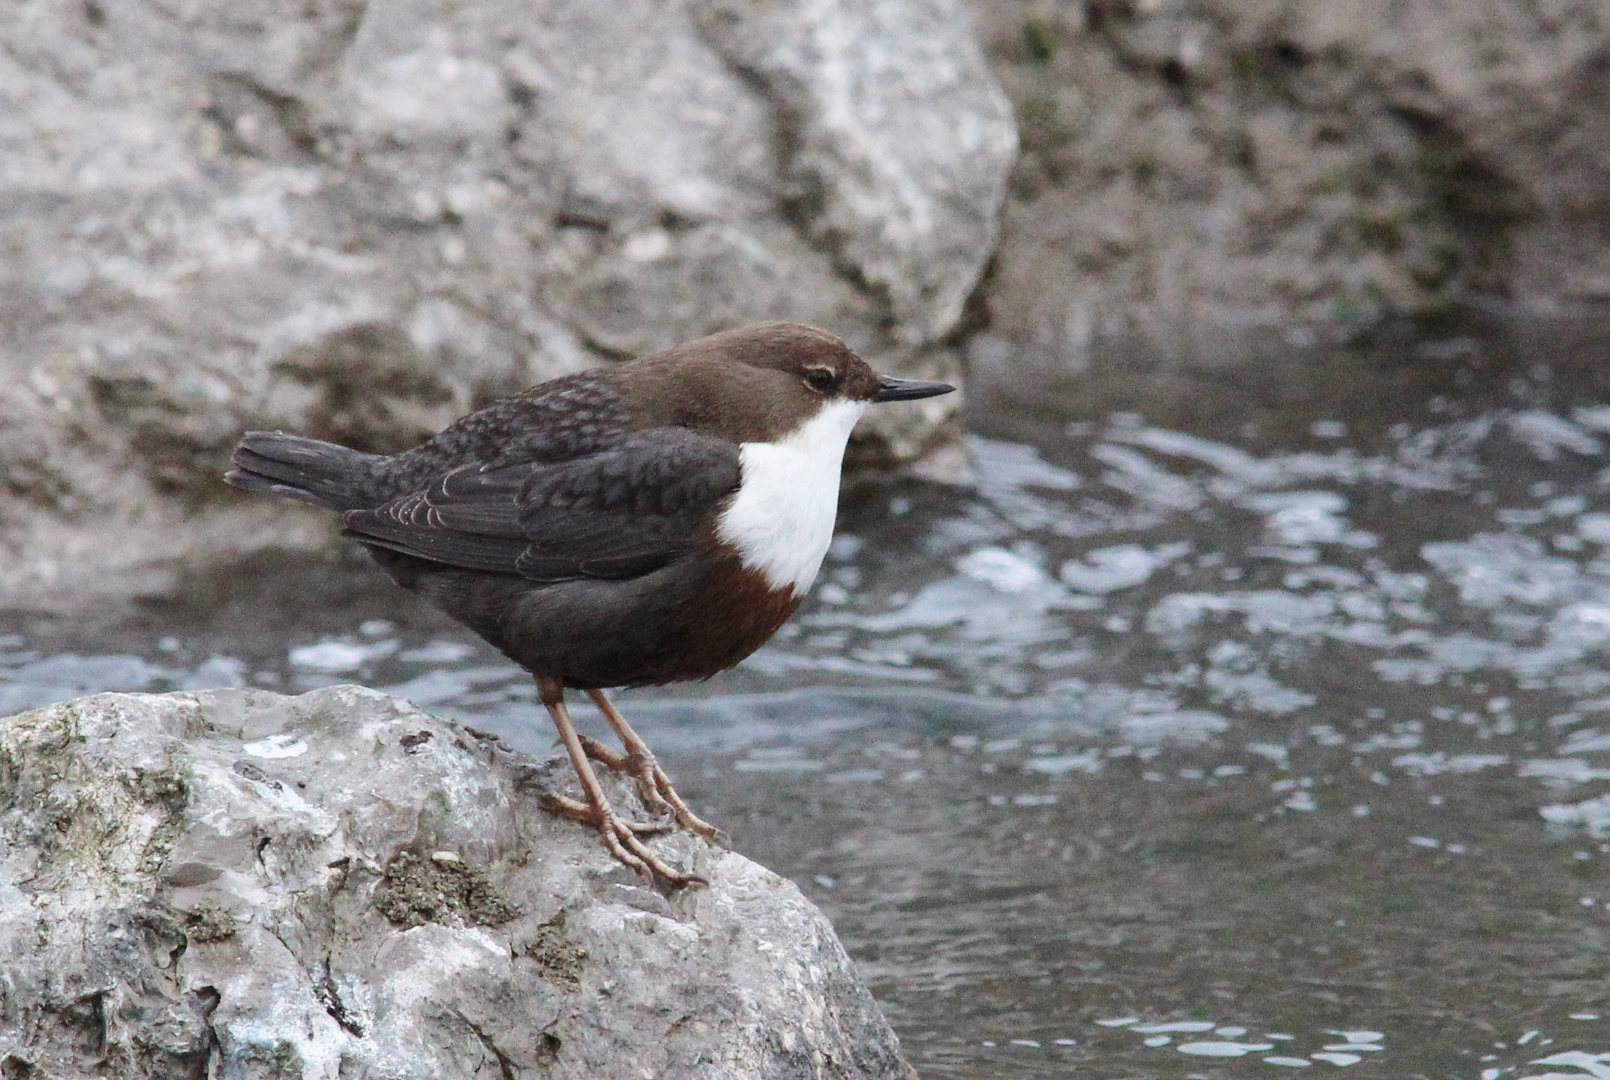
(655, 786)
(622, 762)
(621, 838)
(579, 810)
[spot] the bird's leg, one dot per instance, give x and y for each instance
(576, 810)
(640, 762)
(618, 761)
(618, 836)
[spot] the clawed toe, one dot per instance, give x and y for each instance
(580, 811)
(639, 761)
(654, 786)
(691, 821)
(620, 837)
(642, 770)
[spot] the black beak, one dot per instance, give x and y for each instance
(909, 389)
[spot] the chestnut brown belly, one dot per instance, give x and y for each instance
(736, 612)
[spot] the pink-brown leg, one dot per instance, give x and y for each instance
(576, 810)
(620, 761)
(618, 836)
(639, 761)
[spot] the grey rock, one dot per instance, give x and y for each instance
(881, 102)
(1205, 178)
(358, 220)
(238, 884)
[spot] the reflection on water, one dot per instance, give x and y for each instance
(1207, 734)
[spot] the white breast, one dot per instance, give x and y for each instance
(781, 520)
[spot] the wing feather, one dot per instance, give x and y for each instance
(620, 512)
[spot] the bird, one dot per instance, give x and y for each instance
(636, 524)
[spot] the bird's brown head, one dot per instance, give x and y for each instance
(759, 383)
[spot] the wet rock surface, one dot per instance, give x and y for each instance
(359, 220)
(1203, 178)
(238, 883)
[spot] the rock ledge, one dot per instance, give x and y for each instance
(239, 884)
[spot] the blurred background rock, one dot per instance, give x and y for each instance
(1206, 179)
(359, 220)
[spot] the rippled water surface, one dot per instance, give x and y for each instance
(1231, 724)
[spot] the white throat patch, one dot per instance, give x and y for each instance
(781, 520)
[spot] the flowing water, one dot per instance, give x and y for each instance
(1233, 723)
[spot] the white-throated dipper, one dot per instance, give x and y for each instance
(632, 525)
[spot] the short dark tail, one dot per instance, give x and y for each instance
(320, 473)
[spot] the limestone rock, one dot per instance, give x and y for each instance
(357, 220)
(239, 884)
(1204, 178)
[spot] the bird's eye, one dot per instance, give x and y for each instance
(819, 379)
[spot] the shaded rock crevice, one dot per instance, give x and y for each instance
(1204, 180)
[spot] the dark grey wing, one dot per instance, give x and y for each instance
(619, 512)
(555, 421)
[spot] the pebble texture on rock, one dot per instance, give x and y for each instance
(237, 884)
(357, 219)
